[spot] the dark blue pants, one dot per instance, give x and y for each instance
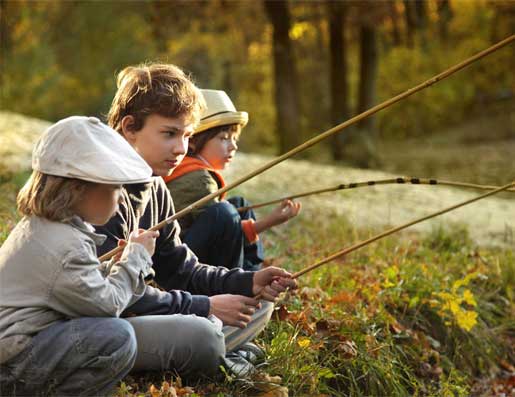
(217, 237)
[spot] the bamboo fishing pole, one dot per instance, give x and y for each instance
(396, 229)
(322, 136)
(353, 185)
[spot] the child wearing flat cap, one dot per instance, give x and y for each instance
(156, 109)
(60, 331)
(217, 233)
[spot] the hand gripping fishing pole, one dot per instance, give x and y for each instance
(324, 135)
(353, 185)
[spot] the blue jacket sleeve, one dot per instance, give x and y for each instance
(157, 302)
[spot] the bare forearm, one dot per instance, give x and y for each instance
(265, 223)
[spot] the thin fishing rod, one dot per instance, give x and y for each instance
(396, 229)
(352, 185)
(323, 136)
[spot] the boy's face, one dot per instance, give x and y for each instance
(100, 203)
(219, 151)
(162, 141)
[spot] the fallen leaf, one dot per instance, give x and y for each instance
(311, 294)
(154, 391)
(507, 366)
(344, 297)
(348, 349)
(277, 391)
(281, 313)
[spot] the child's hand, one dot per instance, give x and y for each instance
(271, 281)
(118, 256)
(286, 210)
(235, 310)
(147, 238)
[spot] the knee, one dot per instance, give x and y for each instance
(225, 213)
(119, 344)
(239, 201)
(209, 348)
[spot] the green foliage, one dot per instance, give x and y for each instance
(60, 58)
(9, 187)
(371, 321)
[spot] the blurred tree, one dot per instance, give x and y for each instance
(444, 18)
(410, 16)
(285, 76)
(338, 73)
(366, 133)
(421, 21)
(394, 17)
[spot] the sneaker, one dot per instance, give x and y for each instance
(242, 362)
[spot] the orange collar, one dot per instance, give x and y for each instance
(190, 164)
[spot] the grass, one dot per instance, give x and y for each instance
(375, 324)
(411, 315)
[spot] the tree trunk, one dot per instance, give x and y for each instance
(409, 14)
(396, 33)
(367, 73)
(421, 21)
(444, 17)
(285, 76)
(5, 38)
(338, 74)
(364, 154)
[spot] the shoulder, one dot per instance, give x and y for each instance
(193, 178)
(60, 235)
(38, 241)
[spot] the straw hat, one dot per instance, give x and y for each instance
(219, 111)
(85, 148)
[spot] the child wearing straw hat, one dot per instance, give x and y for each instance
(156, 108)
(59, 326)
(217, 233)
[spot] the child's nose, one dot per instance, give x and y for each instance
(180, 147)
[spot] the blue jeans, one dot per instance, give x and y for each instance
(80, 357)
(217, 238)
(89, 356)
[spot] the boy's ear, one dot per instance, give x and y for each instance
(128, 130)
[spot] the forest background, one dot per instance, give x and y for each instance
(297, 67)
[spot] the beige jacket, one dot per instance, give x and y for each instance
(49, 272)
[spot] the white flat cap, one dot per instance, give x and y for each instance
(85, 148)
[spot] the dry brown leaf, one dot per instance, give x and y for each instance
(311, 294)
(507, 366)
(264, 377)
(348, 349)
(185, 391)
(281, 313)
(154, 391)
(396, 327)
(277, 391)
(344, 297)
